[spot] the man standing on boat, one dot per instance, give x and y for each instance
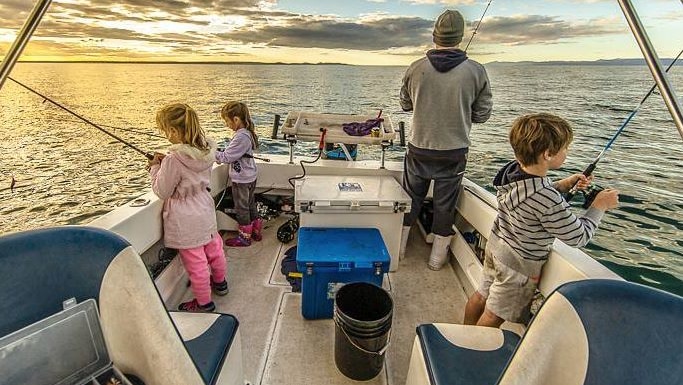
(446, 92)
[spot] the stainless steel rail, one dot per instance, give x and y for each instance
(665, 87)
(22, 39)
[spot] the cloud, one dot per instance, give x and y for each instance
(375, 34)
(535, 29)
(444, 2)
(225, 27)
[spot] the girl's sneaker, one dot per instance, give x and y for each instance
(195, 307)
(243, 238)
(220, 288)
(256, 229)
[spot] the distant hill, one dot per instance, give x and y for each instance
(601, 62)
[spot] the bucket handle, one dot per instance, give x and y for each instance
(379, 352)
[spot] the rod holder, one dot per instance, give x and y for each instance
(402, 133)
(276, 127)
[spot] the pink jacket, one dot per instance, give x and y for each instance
(182, 181)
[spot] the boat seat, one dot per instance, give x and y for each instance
(208, 338)
(588, 332)
(43, 268)
(475, 349)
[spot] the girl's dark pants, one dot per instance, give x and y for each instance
(245, 202)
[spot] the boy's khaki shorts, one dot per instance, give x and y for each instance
(508, 292)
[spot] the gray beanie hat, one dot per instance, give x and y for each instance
(448, 29)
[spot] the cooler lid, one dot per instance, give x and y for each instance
(347, 190)
(324, 246)
(66, 348)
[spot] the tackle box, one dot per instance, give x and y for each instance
(66, 348)
(328, 258)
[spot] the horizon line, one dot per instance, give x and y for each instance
(318, 63)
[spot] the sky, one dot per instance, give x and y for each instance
(361, 32)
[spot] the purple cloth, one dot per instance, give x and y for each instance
(361, 128)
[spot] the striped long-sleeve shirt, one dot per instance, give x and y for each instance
(532, 214)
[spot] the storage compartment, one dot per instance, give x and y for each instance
(335, 201)
(66, 348)
(328, 258)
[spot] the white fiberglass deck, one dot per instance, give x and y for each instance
(281, 347)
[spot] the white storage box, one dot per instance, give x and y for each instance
(354, 202)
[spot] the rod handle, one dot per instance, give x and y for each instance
(321, 145)
(572, 192)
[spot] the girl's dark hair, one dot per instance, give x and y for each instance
(239, 109)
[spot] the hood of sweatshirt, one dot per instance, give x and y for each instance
(444, 60)
(514, 185)
(194, 158)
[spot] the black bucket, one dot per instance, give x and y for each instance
(362, 317)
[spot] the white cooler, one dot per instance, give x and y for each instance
(354, 202)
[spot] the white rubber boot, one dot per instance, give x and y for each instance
(439, 255)
(404, 242)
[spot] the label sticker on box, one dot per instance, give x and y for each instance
(350, 187)
(332, 288)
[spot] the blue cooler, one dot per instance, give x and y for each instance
(330, 257)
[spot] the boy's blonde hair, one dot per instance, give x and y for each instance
(183, 118)
(534, 134)
(239, 109)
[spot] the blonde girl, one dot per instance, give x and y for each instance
(181, 178)
(243, 173)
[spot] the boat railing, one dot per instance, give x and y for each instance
(22, 39)
(650, 55)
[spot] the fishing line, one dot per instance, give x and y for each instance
(146, 154)
(591, 167)
(478, 24)
(134, 130)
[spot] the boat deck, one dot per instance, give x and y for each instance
(280, 347)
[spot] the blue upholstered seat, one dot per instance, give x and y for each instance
(587, 332)
(209, 349)
(472, 364)
(42, 268)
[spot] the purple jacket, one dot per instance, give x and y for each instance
(182, 181)
(242, 169)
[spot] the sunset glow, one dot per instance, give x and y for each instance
(366, 32)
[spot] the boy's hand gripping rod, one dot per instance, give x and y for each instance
(591, 167)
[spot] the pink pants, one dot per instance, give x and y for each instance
(197, 262)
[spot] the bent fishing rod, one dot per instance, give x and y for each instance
(591, 167)
(144, 153)
(477, 26)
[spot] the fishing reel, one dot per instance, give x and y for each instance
(590, 194)
(285, 233)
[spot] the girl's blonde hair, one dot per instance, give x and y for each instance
(534, 134)
(184, 119)
(239, 109)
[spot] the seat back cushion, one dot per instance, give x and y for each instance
(40, 269)
(602, 332)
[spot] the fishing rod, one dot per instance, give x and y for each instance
(256, 157)
(132, 129)
(478, 24)
(591, 167)
(146, 154)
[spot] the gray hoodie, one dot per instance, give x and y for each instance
(447, 92)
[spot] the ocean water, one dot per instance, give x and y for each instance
(69, 173)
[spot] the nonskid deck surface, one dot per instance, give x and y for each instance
(280, 347)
